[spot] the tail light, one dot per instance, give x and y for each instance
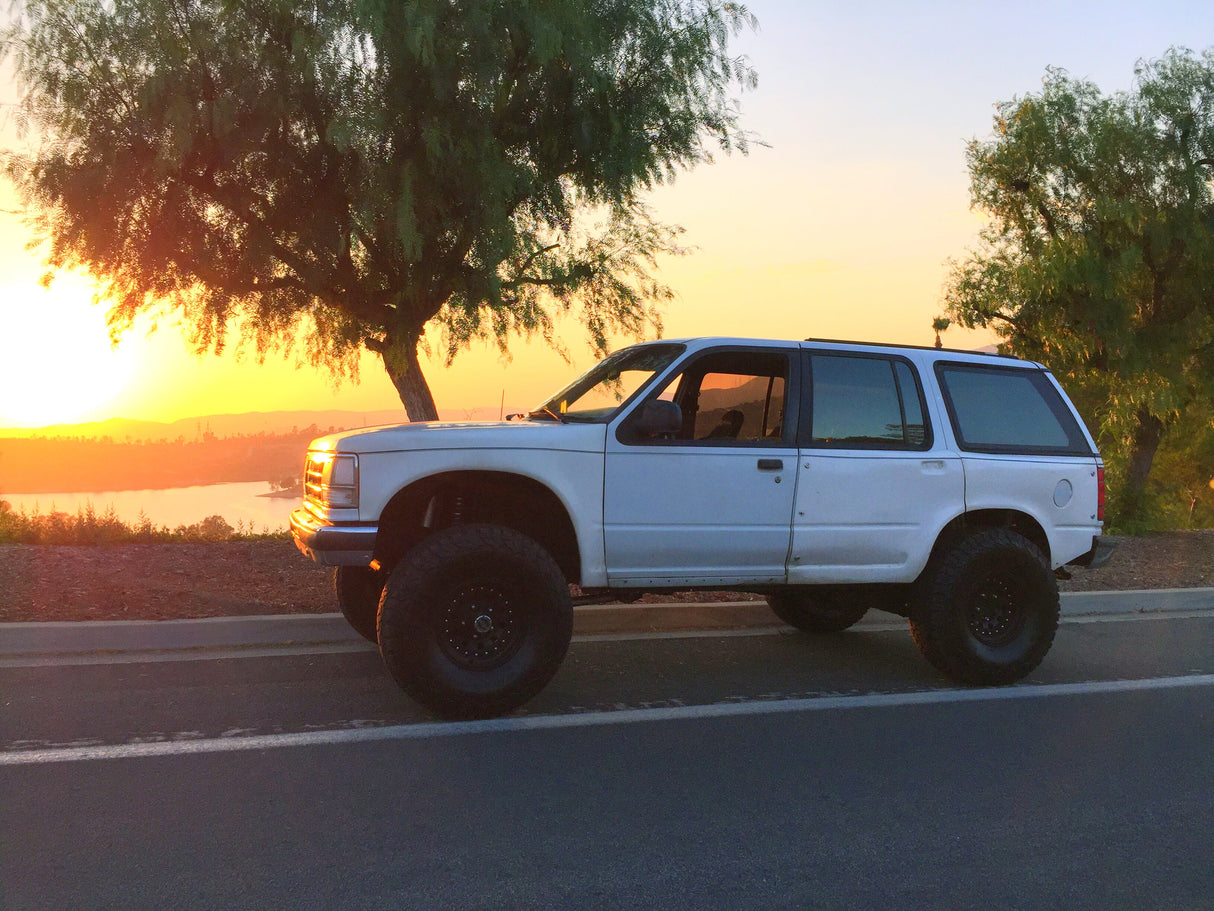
(1100, 493)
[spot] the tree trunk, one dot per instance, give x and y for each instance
(1147, 436)
(406, 374)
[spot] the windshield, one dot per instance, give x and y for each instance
(597, 394)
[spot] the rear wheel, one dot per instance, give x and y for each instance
(819, 609)
(475, 620)
(987, 609)
(358, 590)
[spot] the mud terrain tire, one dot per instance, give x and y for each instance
(987, 609)
(474, 621)
(824, 609)
(358, 590)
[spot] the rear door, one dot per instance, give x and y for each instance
(876, 482)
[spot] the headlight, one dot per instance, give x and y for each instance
(331, 479)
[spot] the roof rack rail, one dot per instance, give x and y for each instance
(845, 341)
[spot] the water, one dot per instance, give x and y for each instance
(237, 503)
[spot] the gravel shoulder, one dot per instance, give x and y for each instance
(166, 581)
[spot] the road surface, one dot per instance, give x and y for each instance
(272, 763)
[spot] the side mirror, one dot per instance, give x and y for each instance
(658, 418)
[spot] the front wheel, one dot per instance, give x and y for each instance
(987, 609)
(475, 620)
(358, 590)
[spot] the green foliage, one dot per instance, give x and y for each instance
(1178, 493)
(358, 169)
(1097, 258)
(88, 527)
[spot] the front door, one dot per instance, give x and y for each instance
(712, 503)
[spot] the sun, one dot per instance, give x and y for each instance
(56, 362)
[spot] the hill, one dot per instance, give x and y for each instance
(123, 454)
(53, 464)
(219, 425)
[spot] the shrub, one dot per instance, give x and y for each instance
(89, 527)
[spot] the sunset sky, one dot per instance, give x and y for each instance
(841, 226)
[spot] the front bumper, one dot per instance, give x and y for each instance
(1098, 556)
(332, 545)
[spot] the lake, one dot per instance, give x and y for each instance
(238, 503)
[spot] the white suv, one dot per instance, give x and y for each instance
(833, 477)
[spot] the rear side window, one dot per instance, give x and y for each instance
(865, 403)
(1008, 410)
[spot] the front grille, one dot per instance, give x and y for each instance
(314, 468)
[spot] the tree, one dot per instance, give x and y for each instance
(356, 170)
(1098, 259)
(1180, 484)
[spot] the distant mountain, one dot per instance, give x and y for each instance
(230, 425)
(122, 454)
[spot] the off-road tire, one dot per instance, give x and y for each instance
(986, 609)
(474, 621)
(820, 609)
(358, 590)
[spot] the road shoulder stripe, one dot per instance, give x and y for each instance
(523, 723)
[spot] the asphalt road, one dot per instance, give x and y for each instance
(272, 764)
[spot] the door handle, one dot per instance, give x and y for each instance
(771, 464)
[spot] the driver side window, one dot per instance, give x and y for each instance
(731, 397)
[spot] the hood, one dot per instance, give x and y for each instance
(461, 435)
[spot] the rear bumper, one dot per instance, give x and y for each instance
(332, 545)
(1098, 556)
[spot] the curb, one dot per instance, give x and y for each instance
(295, 631)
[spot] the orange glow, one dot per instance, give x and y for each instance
(56, 362)
(838, 224)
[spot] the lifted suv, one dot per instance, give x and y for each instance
(832, 477)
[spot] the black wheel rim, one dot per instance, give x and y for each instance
(998, 611)
(481, 625)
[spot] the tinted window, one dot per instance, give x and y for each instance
(912, 405)
(999, 409)
(866, 403)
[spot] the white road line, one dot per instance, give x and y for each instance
(1191, 614)
(431, 730)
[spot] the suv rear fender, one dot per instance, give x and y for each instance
(494, 497)
(1021, 523)
(1058, 495)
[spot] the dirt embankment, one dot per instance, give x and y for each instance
(177, 581)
